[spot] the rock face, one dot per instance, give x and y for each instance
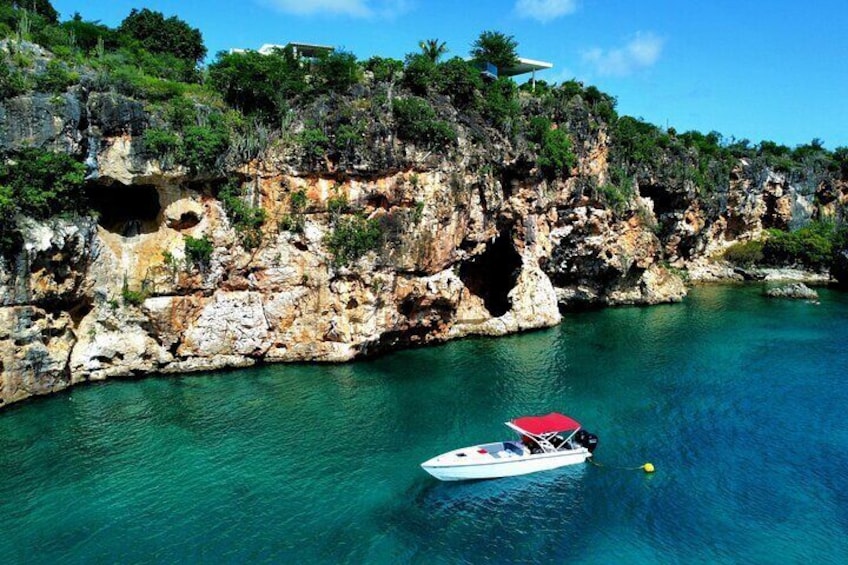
(598, 260)
(466, 249)
(840, 268)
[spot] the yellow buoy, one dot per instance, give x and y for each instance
(648, 467)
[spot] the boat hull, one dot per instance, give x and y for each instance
(448, 467)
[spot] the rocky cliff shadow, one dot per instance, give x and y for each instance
(493, 274)
(126, 210)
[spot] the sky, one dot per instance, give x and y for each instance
(749, 69)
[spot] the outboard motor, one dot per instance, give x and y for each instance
(587, 440)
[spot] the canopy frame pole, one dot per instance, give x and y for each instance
(545, 445)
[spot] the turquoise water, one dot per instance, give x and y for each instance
(739, 401)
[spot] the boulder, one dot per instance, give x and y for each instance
(798, 291)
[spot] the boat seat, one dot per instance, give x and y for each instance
(514, 448)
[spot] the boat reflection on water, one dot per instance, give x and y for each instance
(476, 521)
(561, 487)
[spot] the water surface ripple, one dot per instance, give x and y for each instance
(738, 401)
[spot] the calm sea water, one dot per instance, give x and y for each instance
(739, 401)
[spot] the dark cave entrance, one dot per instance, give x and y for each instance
(126, 210)
(512, 175)
(493, 274)
(664, 202)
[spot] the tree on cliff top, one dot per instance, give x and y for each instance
(41, 7)
(158, 34)
(433, 49)
(496, 48)
(258, 84)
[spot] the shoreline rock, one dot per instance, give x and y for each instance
(797, 291)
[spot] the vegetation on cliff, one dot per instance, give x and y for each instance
(335, 114)
(37, 184)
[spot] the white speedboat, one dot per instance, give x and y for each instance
(545, 442)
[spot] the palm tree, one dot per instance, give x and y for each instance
(433, 49)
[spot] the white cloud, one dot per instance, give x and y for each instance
(639, 53)
(352, 8)
(544, 10)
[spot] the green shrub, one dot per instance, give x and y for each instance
(537, 128)
(539, 88)
(811, 246)
(162, 143)
(56, 78)
(44, 183)
(745, 253)
(38, 184)
(247, 220)
(500, 103)
(181, 113)
(461, 81)
(12, 82)
(615, 197)
(163, 65)
(840, 161)
(294, 221)
(10, 237)
(87, 34)
(419, 74)
(384, 70)
(352, 237)
(417, 212)
(570, 88)
(605, 110)
(42, 8)
(348, 137)
(556, 157)
(198, 251)
(337, 72)
(133, 297)
(337, 205)
(299, 201)
(202, 146)
(55, 38)
(637, 143)
(158, 34)
(314, 143)
(617, 193)
(416, 122)
(132, 81)
(259, 84)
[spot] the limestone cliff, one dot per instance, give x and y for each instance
(475, 240)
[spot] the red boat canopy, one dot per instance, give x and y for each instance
(549, 423)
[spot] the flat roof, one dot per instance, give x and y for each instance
(304, 49)
(525, 66)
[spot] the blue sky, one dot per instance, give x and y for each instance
(752, 69)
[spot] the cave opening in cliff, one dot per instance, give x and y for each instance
(126, 210)
(664, 201)
(493, 274)
(513, 175)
